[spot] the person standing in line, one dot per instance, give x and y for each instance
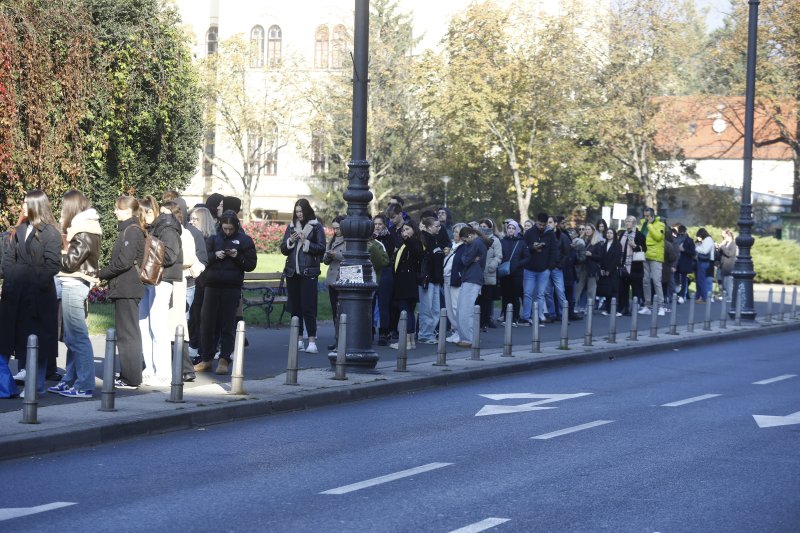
(654, 231)
(608, 280)
(303, 245)
(727, 253)
(686, 254)
(80, 263)
(333, 257)
(556, 292)
(396, 220)
(201, 220)
(452, 269)
(494, 256)
(631, 241)
(542, 247)
(29, 303)
(705, 265)
(430, 280)
(384, 293)
(669, 270)
(405, 289)
(156, 305)
(515, 252)
(231, 254)
(126, 290)
(473, 260)
(593, 252)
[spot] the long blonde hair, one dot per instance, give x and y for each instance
(596, 237)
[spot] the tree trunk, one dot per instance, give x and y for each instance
(796, 161)
(246, 199)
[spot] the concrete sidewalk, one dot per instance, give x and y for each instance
(75, 424)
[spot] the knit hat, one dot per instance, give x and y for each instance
(212, 203)
(231, 203)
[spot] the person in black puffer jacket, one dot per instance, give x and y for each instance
(304, 245)
(125, 289)
(155, 306)
(231, 253)
(430, 279)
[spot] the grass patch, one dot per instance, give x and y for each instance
(101, 316)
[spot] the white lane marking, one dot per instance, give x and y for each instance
(691, 400)
(572, 429)
(765, 421)
(773, 380)
(385, 479)
(16, 512)
(483, 525)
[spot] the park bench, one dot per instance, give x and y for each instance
(264, 290)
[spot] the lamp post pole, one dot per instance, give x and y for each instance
(743, 272)
(355, 284)
(445, 180)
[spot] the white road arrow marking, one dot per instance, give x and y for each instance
(488, 410)
(765, 421)
(16, 512)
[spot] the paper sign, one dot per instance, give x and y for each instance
(351, 274)
(620, 212)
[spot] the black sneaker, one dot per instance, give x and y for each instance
(121, 384)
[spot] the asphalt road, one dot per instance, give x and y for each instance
(661, 443)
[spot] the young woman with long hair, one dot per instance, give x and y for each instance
(303, 245)
(29, 303)
(125, 289)
(80, 263)
(406, 269)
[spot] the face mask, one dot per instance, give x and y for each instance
(486, 231)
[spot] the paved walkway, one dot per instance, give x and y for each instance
(68, 423)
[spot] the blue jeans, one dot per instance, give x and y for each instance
(555, 287)
(80, 355)
(428, 311)
(704, 282)
(534, 283)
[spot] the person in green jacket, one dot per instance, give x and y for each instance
(654, 231)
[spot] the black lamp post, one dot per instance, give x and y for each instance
(355, 283)
(743, 272)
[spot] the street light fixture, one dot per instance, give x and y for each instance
(445, 180)
(743, 272)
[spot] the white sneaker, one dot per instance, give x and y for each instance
(193, 352)
(20, 376)
(453, 338)
(681, 299)
(312, 348)
(660, 311)
(645, 311)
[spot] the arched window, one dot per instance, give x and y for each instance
(257, 47)
(321, 37)
(211, 40)
(339, 56)
(274, 46)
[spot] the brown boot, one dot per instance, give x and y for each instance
(222, 367)
(203, 366)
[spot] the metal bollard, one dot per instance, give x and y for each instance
(30, 404)
(536, 342)
(794, 303)
(634, 334)
(291, 364)
(738, 314)
(690, 322)
(176, 388)
(654, 317)
(402, 343)
(707, 319)
(612, 322)
(341, 349)
(507, 345)
(780, 307)
(237, 374)
(107, 394)
(723, 315)
(769, 306)
(673, 319)
(476, 333)
(587, 336)
(564, 326)
(441, 350)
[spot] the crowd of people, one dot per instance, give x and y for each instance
(424, 265)
(48, 269)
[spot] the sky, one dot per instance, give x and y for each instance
(716, 11)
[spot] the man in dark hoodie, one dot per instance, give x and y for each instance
(542, 245)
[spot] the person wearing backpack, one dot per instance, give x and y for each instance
(126, 289)
(231, 253)
(80, 262)
(155, 306)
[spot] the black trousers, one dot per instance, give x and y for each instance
(302, 293)
(486, 301)
(129, 339)
(511, 291)
(195, 312)
(219, 312)
(333, 296)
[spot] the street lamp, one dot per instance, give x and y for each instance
(355, 283)
(743, 272)
(445, 180)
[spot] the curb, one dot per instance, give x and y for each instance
(103, 432)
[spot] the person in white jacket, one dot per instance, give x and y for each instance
(451, 292)
(705, 265)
